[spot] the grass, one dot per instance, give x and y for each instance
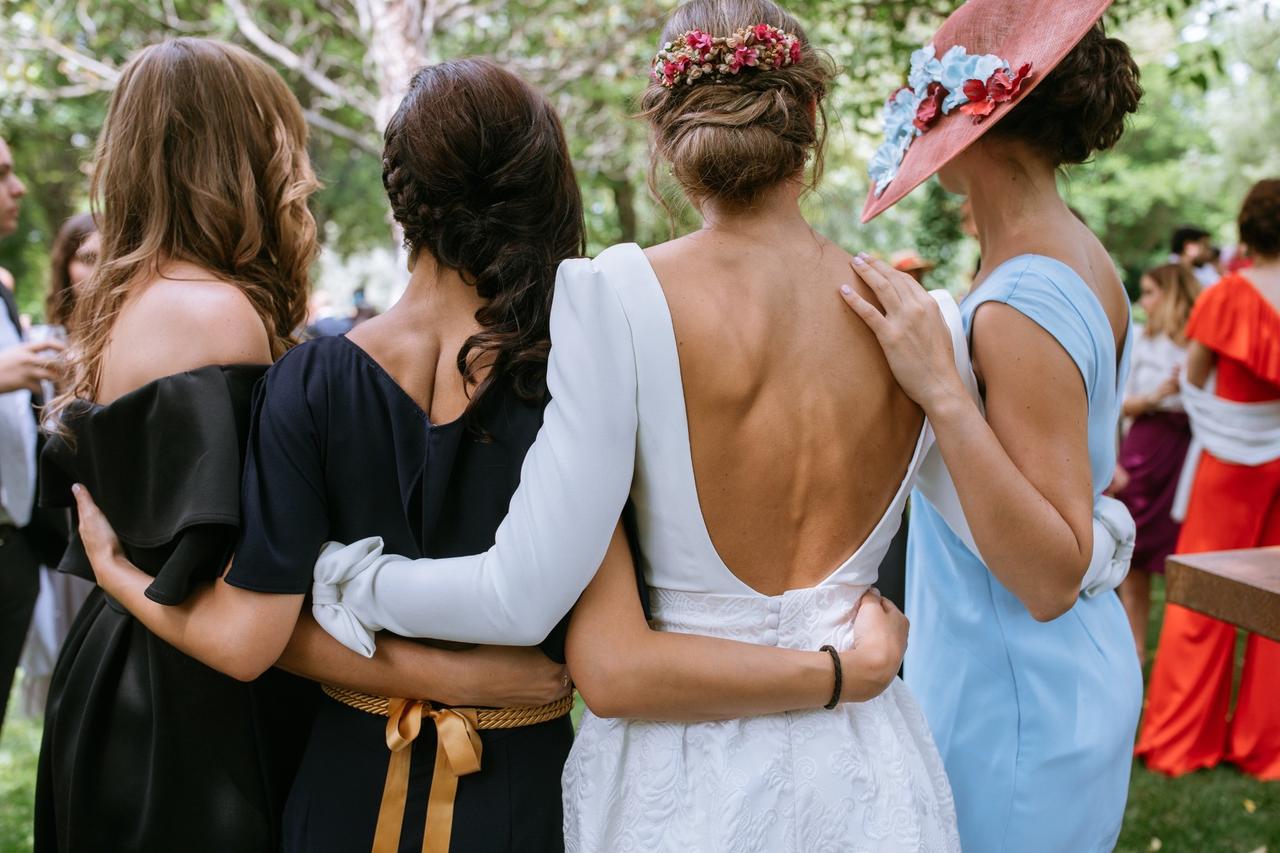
(19, 747)
(1212, 811)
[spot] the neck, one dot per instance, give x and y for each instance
(436, 291)
(1013, 198)
(1269, 265)
(776, 212)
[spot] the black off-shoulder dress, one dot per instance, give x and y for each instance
(145, 749)
(340, 452)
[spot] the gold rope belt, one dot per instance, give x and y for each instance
(458, 750)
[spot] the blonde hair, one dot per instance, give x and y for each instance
(1179, 289)
(202, 159)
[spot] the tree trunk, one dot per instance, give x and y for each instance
(624, 198)
(397, 48)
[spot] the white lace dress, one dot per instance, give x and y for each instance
(864, 777)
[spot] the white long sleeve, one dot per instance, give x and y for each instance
(573, 485)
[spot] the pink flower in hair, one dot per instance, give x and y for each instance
(795, 51)
(699, 41)
(765, 33)
(743, 55)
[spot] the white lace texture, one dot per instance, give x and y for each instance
(864, 777)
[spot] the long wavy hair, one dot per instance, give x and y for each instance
(60, 300)
(478, 174)
(202, 159)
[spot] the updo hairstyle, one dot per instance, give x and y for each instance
(1081, 106)
(728, 138)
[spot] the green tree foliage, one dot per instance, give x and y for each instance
(346, 60)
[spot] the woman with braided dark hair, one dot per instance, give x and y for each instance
(413, 427)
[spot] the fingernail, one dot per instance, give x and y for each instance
(846, 289)
(859, 260)
(76, 488)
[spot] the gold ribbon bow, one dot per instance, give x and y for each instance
(458, 751)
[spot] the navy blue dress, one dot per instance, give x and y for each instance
(338, 451)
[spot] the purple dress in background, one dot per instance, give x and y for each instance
(1153, 451)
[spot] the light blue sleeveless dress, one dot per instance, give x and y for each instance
(1035, 721)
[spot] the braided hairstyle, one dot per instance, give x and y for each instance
(478, 174)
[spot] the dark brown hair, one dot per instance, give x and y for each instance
(60, 301)
(1080, 107)
(1260, 219)
(478, 174)
(730, 138)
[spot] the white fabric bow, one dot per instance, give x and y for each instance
(337, 565)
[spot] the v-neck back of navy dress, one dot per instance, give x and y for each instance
(339, 451)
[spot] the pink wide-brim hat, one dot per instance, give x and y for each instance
(1040, 32)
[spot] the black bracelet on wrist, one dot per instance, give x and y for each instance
(839, 685)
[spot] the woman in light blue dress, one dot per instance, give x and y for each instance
(1019, 655)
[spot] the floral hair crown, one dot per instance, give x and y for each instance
(696, 54)
(935, 87)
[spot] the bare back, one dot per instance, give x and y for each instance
(800, 437)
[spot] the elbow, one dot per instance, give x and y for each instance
(529, 634)
(1055, 598)
(528, 628)
(1048, 609)
(606, 703)
(605, 688)
(243, 664)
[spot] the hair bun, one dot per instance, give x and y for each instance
(1081, 106)
(730, 137)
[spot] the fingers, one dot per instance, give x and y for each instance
(882, 285)
(85, 507)
(866, 312)
(96, 533)
(50, 345)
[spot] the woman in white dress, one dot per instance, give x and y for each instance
(767, 454)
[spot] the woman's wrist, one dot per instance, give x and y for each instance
(950, 400)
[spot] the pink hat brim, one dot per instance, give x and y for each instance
(1041, 32)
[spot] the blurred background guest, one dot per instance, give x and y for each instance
(74, 255)
(22, 368)
(1234, 503)
(323, 320)
(1190, 246)
(1155, 445)
(912, 264)
(72, 258)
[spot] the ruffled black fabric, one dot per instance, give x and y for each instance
(163, 462)
(144, 748)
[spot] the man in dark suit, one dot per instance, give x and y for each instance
(22, 368)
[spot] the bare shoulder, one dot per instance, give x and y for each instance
(668, 255)
(174, 325)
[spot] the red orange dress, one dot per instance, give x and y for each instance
(1186, 725)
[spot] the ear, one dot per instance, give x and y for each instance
(812, 110)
